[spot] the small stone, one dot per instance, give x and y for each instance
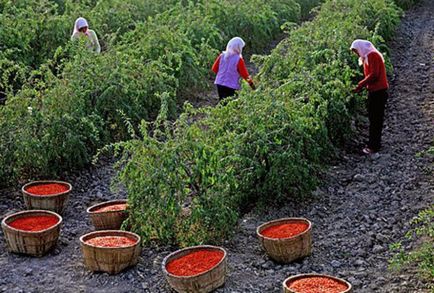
(378, 249)
(267, 265)
(381, 280)
(375, 156)
(358, 177)
(359, 263)
(355, 282)
(361, 252)
(336, 263)
(382, 238)
(361, 274)
(367, 219)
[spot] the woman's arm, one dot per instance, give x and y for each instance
(215, 67)
(95, 42)
(244, 73)
(242, 69)
(374, 64)
(75, 36)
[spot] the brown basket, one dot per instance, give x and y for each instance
(111, 220)
(28, 242)
(110, 259)
(56, 203)
(293, 278)
(201, 283)
(286, 250)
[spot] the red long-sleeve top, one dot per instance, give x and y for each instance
(375, 74)
(242, 69)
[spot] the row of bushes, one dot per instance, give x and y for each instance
(71, 102)
(33, 30)
(190, 181)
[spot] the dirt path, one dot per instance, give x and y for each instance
(363, 205)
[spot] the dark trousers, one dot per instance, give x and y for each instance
(376, 105)
(225, 91)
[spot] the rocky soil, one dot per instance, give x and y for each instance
(363, 205)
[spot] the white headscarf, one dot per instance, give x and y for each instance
(234, 47)
(364, 48)
(79, 23)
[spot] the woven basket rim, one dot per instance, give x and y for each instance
(260, 228)
(301, 276)
(106, 203)
(24, 213)
(95, 234)
(23, 189)
(197, 247)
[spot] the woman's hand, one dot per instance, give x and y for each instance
(251, 84)
(358, 89)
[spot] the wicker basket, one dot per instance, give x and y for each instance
(286, 250)
(110, 259)
(56, 202)
(111, 220)
(201, 283)
(27, 242)
(301, 276)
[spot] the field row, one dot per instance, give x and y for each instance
(64, 102)
(189, 182)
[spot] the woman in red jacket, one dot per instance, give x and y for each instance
(375, 82)
(230, 67)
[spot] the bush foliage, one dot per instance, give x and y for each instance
(188, 182)
(63, 102)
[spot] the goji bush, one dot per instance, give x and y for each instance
(63, 103)
(189, 181)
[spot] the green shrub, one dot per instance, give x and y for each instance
(189, 182)
(306, 6)
(41, 137)
(152, 49)
(423, 255)
(32, 31)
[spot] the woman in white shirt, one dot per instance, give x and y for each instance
(81, 29)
